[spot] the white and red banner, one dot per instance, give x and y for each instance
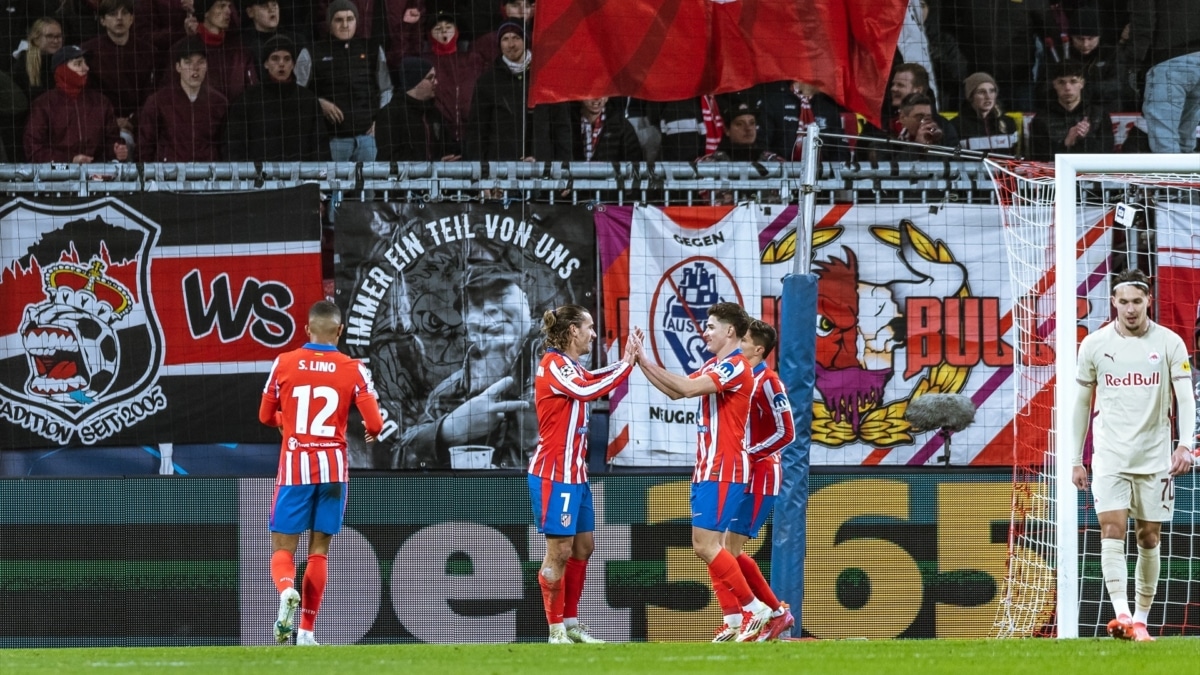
(669, 50)
(150, 318)
(1177, 285)
(911, 301)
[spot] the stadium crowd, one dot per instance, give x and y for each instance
(429, 80)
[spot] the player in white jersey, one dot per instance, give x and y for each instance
(1133, 366)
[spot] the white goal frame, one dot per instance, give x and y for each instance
(1066, 171)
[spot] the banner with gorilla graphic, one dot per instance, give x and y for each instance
(444, 302)
(150, 318)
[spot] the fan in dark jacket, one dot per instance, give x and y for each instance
(1070, 123)
(410, 128)
(785, 104)
(981, 125)
(501, 127)
(278, 120)
(603, 135)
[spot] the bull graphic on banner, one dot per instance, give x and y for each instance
(81, 358)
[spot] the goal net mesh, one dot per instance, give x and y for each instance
(1157, 231)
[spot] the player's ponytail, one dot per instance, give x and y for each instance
(557, 322)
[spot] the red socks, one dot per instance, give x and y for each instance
(724, 570)
(283, 570)
(552, 599)
(316, 572)
(758, 584)
(573, 586)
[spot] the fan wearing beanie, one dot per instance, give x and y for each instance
(457, 72)
(345, 79)
(230, 66)
(981, 124)
(410, 128)
(518, 12)
(72, 123)
(265, 18)
(278, 120)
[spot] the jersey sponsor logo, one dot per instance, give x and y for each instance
(679, 308)
(1132, 380)
(88, 333)
(726, 371)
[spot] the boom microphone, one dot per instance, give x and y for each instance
(947, 413)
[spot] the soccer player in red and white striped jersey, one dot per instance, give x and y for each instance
(558, 489)
(769, 429)
(308, 397)
(723, 386)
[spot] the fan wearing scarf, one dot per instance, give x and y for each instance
(72, 123)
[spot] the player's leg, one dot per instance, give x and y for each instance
(555, 513)
(714, 508)
(575, 574)
(1153, 499)
(327, 521)
(752, 515)
(291, 514)
(1113, 494)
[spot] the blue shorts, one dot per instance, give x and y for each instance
(752, 512)
(715, 504)
(300, 508)
(561, 509)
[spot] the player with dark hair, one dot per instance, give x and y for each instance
(1133, 365)
(723, 385)
(769, 430)
(558, 487)
(308, 397)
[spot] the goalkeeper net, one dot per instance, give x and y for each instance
(1116, 211)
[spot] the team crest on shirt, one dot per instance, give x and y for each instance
(86, 341)
(1154, 358)
(565, 519)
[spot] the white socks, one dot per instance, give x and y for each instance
(1116, 574)
(1145, 581)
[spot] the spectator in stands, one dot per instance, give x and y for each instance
(31, 67)
(1070, 123)
(172, 20)
(1099, 63)
(345, 79)
(740, 142)
(277, 120)
(676, 128)
(787, 110)
(520, 12)
(230, 66)
(394, 25)
(122, 63)
(949, 64)
(264, 17)
(72, 123)
(501, 125)
(1166, 39)
(13, 106)
(410, 128)
(999, 37)
(457, 72)
(604, 134)
(981, 124)
(184, 120)
(909, 79)
(919, 126)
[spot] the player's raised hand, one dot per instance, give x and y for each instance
(479, 414)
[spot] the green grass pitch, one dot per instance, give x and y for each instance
(850, 657)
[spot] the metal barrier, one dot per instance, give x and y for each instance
(571, 182)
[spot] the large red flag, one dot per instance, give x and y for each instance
(668, 50)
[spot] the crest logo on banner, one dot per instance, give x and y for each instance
(82, 343)
(679, 309)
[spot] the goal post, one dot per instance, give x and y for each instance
(1041, 206)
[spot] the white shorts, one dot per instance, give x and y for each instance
(1149, 497)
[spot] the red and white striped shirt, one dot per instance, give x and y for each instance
(308, 394)
(769, 429)
(721, 435)
(562, 390)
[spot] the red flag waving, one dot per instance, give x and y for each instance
(669, 50)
